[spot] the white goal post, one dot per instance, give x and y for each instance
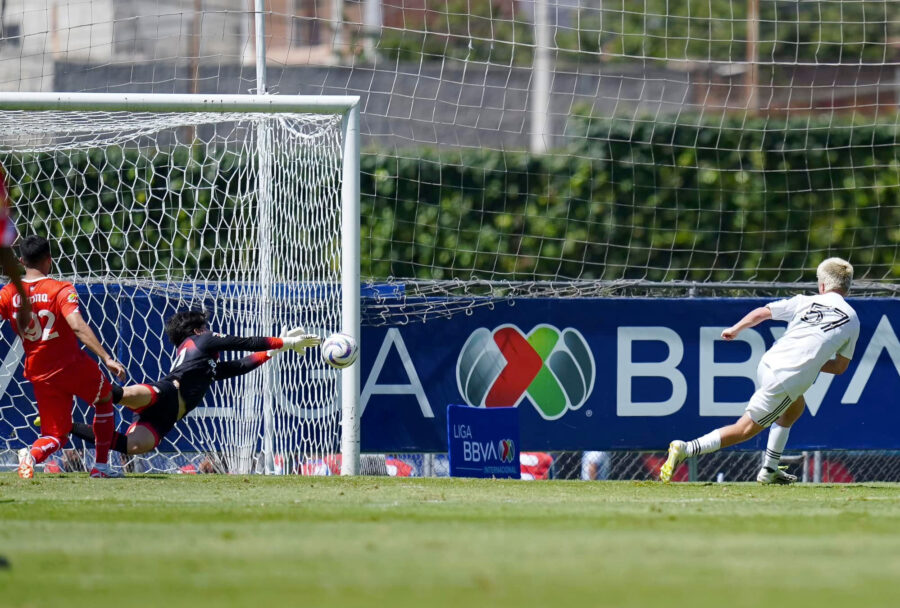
(263, 241)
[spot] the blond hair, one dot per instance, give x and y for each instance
(835, 274)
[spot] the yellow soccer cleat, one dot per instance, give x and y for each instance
(677, 454)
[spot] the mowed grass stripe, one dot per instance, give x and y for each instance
(252, 541)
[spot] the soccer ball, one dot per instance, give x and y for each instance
(339, 350)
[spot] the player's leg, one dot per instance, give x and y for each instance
(793, 413)
(745, 428)
(154, 421)
(778, 436)
(140, 438)
(766, 405)
(86, 433)
(90, 384)
(742, 430)
(55, 410)
(138, 397)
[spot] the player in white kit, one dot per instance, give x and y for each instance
(821, 336)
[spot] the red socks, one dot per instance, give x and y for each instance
(104, 426)
(43, 447)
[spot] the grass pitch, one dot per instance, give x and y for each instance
(213, 540)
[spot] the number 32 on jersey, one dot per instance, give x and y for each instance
(41, 327)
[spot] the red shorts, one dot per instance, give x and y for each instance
(81, 378)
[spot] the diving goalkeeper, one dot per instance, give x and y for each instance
(159, 405)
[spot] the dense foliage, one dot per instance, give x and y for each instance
(735, 200)
(136, 213)
(817, 31)
(730, 199)
(461, 29)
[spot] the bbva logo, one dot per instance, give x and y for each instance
(553, 368)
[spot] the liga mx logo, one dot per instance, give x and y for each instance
(507, 450)
(553, 368)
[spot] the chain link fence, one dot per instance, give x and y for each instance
(728, 466)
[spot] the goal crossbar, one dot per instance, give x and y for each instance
(162, 102)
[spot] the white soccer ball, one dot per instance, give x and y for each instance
(340, 350)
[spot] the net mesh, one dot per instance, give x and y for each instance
(564, 148)
(525, 148)
(153, 213)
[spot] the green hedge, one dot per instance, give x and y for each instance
(729, 200)
(754, 200)
(125, 210)
(813, 31)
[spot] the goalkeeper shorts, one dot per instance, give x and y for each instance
(163, 414)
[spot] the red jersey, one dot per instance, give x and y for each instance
(7, 228)
(50, 344)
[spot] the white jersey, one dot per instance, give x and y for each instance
(819, 327)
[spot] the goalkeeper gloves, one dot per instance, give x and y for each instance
(297, 339)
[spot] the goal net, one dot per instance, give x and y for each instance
(531, 148)
(234, 212)
(541, 147)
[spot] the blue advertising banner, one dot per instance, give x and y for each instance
(129, 318)
(615, 374)
(586, 374)
(483, 442)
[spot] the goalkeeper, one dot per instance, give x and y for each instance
(159, 405)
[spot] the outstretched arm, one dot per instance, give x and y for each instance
(84, 333)
(11, 269)
(230, 369)
(219, 342)
(751, 319)
(294, 339)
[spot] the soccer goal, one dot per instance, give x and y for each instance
(245, 206)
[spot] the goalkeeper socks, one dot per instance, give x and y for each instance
(84, 431)
(710, 442)
(43, 447)
(778, 436)
(120, 442)
(117, 392)
(104, 426)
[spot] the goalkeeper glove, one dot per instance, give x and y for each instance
(297, 339)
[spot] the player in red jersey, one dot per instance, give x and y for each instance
(8, 257)
(56, 366)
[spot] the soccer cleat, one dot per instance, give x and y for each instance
(104, 471)
(677, 454)
(775, 477)
(26, 464)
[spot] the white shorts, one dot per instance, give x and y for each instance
(769, 401)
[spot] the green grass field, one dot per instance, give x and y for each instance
(289, 541)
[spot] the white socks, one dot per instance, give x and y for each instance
(710, 442)
(778, 436)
